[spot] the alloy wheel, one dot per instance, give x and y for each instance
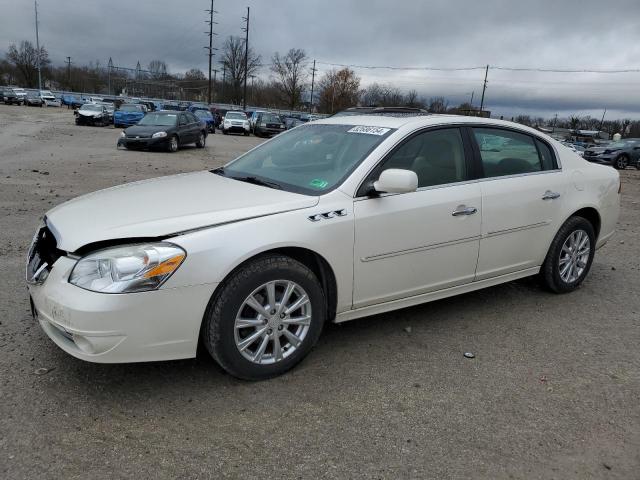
(574, 256)
(272, 322)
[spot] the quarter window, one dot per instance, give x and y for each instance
(437, 157)
(508, 153)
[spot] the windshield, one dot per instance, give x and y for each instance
(131, 108)
(235, 116)
(203, 114)
(312, 159)
(159, 119)
(270, 118)
(91, 108)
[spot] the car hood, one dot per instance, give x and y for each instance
(164, 206)
(144, 130)
(89, 113)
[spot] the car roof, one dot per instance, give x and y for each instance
(417, 121)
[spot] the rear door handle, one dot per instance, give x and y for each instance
(464, 210)
(549, 195)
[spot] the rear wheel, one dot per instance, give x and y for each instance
(265, 318)
(201, 140)
(621, 162)
(570, 256)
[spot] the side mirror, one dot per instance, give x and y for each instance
(395, 180)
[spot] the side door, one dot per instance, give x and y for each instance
(194, 126)
(185, 133)
(412, 243)
(523, 191)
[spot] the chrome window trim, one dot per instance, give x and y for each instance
(455, 184)
(420, 129)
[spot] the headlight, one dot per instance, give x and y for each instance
(159, 135)
(122, 134)
(132, 268)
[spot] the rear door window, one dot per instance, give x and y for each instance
(504, 152)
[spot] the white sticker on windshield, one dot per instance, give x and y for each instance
(369, 130)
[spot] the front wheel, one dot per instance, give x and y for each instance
(570, 256)
(201, 140)
(173, 144)
(265, 318)
(621, 162)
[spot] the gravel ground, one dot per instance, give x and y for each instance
(552, 393)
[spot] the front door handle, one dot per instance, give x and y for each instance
(464, 210)
(549, 195)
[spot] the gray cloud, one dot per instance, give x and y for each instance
(440, 33)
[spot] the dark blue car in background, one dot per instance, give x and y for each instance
(207, 117)
(128, 114)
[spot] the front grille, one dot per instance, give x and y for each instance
(43, 253)
(135, 137)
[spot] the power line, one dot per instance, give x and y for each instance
(491, 67)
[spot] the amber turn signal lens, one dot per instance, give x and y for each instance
(165, 267)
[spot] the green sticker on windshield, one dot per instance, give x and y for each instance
(318, 183)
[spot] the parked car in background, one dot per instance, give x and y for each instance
(9, 97)
(92, 114)
(49, 99)
(206, 117)
(198, 106)
(268, 124)
(171, 106)
(128, 114)
(111, 108)
(577, 149)
(335, 220)
(32, 99)
(292, 122)
(20, 92)
(165, 130)
(71, 101)
(235, 122)
(253, 116)
(618, 154)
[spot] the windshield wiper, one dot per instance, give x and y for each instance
(259, 181)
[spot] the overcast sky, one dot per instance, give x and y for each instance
(556, 34)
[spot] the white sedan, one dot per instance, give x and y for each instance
(328, 222)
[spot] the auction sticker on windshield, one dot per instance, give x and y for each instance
(369, 130)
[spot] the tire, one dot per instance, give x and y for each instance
(201, 140)
(638, 164)
(553, 273)
(224, 132)
(621, 162)
(173, 144)
(223, 339)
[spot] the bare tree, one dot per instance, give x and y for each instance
(233, 60)
(438, 105)
(339, 90)
(411, 99)
(194, 74)
(158, 69)
(290, 75)
(25, 60)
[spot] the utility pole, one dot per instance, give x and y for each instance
(246, 58)
(555, 119)
(224, 79)
(215, 73)
(313, 78)
(484, 87)
(38, 47)
(109, 68)
(68, 62)
(210, 47)
(602, 121)
(472, 94)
